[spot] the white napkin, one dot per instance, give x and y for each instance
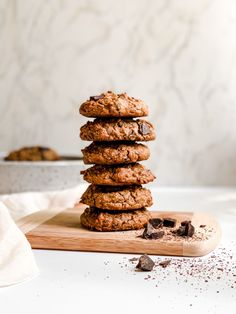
(17, 262)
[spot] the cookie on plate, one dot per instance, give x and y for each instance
(113, 105)
(33, 153)
(117, 130)
(112, 153)
(131, 174)
(98, 220)
(116, 197)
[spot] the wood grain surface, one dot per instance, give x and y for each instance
(64, 232)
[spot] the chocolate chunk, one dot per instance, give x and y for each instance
(165, 263)
(148, 231)
(95, 98)
(151, 233)
(143, 129)
(156, 222)
(145, 263)
(157, 235)
(169, 222)
(181, 231)
(186, 229)
(185, 222)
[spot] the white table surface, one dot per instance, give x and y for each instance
(79, 282)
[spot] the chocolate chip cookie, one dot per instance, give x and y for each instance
(131, 174)
(95, 219)
(117, 130)
(113, 105)
(116, 197)
(34, 153)
(112, 153)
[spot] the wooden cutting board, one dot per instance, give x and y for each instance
(64, 232)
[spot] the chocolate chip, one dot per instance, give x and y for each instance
(169, 222)
(95, 98)
(202, 226)
(186, 229)
(43, 149)
(145, 263)
(165, 263)
(143, 129)
(151, 233)
(156, 222)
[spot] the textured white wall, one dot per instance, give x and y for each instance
(179, 56)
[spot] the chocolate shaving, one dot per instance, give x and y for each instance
(156, 222)
(202, 226)
(145, 263)
(165, 263)
(134, 259)
(143, 129)
(169, 222)
(95, 98)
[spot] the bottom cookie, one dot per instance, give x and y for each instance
(95, 219)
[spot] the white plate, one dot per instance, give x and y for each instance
(23, 176)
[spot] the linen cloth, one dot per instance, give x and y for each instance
(17, 262)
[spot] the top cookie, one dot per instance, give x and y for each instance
(113, 105)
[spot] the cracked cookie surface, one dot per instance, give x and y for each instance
(116, 197)
(131, 174)
(98, 220)
(112, 153)
(117, 130)
(111, 105)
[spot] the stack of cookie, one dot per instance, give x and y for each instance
(116, 199)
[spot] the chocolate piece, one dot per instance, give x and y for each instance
(185, 222)
(143, 129)
(165, 263)
(186, 229)
(181, 231)
(151, 233)
(95, 98)
(202, 226)
(156, 222)
(145, 263)
(157, 235)
(169, 222)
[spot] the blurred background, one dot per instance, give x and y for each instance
(178, 56)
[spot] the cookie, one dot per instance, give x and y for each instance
(113, 105)
(116, 197)
(95, 219)
(131, 174)
(103, 153)
(34, 153)
(117, 130)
